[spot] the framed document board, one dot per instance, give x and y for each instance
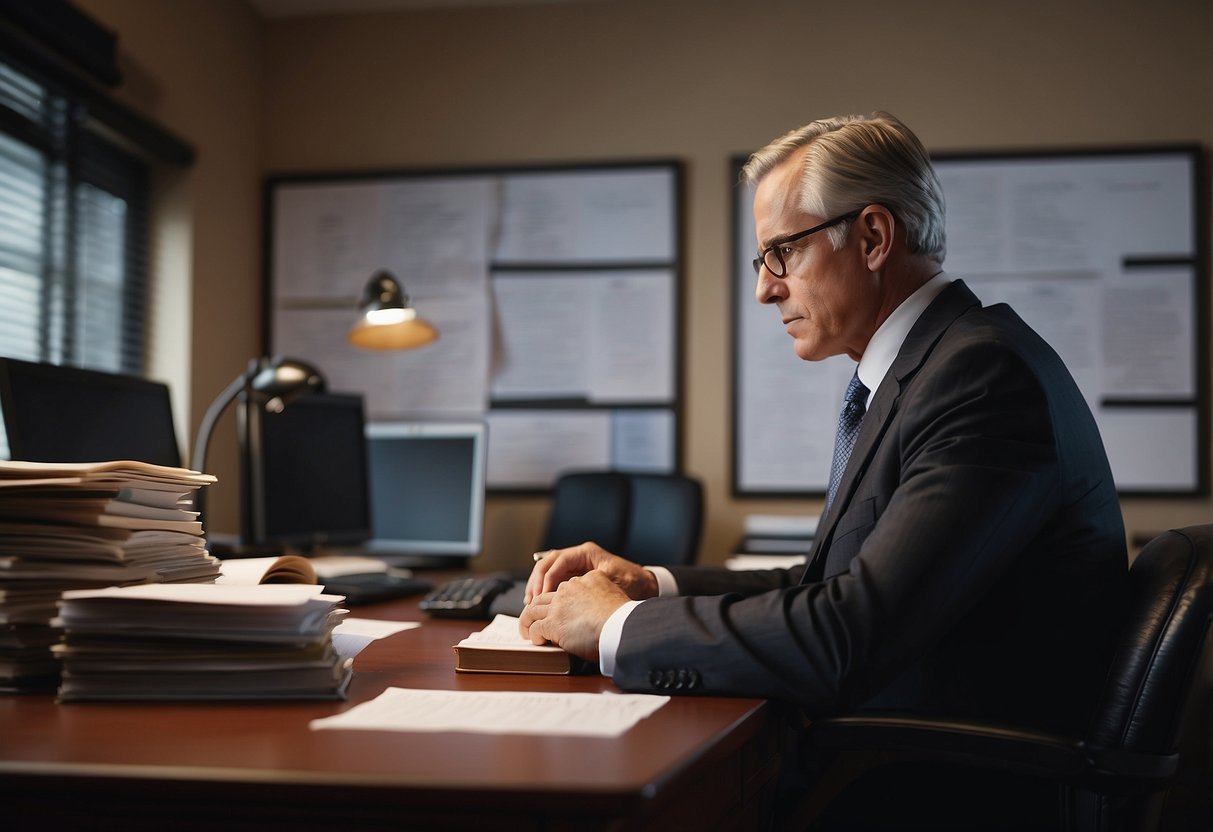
(1103, 252)
(554, 289)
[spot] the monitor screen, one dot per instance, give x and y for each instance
(427, 488)
(65, 414)
(309, 473)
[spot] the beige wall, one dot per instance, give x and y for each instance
(699, 80)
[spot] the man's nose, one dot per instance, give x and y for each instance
(769, 289)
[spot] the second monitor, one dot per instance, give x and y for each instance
(411, 493)
(427, 482)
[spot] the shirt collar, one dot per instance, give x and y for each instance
(886, 342)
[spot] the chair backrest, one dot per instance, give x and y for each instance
(647, 518)
(665, 519)
(1154, 669)
(588, 505)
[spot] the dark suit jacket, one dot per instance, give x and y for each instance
(972, 563)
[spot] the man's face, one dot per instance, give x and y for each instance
(827, 299)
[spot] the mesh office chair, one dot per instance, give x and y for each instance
(665, 519)
(1116, 776)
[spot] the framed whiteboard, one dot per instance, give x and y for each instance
(1104, 252)
(555, 291)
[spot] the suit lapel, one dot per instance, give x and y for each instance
(950, 304)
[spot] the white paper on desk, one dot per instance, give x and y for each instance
(498, 712)
(336, 566)
(354, 634)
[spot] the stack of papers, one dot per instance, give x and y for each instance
(201, 642)
(84, 525)
(773, 541)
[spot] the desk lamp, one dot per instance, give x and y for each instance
(387, 320)
(267, 385)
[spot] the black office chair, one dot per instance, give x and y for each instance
(588, 505)
(665, 519)
(1115, 777)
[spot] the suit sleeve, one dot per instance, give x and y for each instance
(963, 479)
(705, 580)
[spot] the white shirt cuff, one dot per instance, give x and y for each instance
(612, 630)
(666, 585)
(608, 639)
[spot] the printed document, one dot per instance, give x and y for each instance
(498, 712)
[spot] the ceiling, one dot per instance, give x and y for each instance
(304, 8)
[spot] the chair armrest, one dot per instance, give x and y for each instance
(988, 745)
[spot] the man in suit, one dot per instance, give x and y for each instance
(972, 560)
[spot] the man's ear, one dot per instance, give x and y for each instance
(877, 227)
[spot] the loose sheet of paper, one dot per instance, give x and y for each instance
(498, 712)
(354, 634)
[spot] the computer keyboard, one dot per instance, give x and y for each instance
(476, 597)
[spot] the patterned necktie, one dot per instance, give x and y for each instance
(854, 403)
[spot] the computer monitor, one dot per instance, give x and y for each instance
(54, 413)
(427, 491)
(308, 484)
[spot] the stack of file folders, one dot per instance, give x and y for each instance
(201, 642)
(84, 525)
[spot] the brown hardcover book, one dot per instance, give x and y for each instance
(498, 648)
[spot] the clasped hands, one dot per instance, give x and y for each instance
(572, 592)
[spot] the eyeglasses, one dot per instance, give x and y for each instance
(772, 256)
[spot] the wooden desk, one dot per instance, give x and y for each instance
(698, 763)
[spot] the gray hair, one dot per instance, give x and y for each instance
(854, 161)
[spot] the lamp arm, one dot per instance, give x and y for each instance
(198, 460)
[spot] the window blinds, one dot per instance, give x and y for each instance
(73, 220)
